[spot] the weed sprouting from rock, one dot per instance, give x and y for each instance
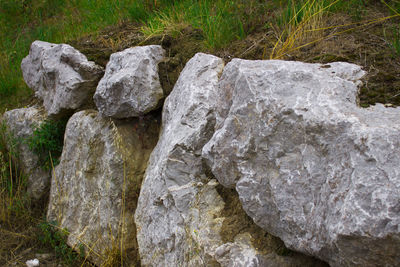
(47, 141)
(56, 238)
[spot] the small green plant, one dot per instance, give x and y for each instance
(47, 141)
(394, 41)
(50, 235)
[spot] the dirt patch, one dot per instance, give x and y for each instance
(179, 48)
(237, 221)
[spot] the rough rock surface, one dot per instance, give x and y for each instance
(241, 253)
(309, 165)
(95, 187)
(20, 124)
(175, 225)
(181, 215)
(131, 86)
(60, 75)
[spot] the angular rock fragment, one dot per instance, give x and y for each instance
(95, 187)
(61, 76)
(20, 124)
(181, 217)
(131, 86)
(309, 165)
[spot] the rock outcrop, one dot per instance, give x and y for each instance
(131, 86)
(309, 165)
(20, 124)
(246, 152)
(61, 76)
(182, 218)
(95, 187)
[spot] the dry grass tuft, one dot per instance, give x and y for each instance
(305, 23)
(301, 23)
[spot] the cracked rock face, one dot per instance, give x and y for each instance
(309, 165)
(131, 86)
(20, 124)
(180, 215)
(95, 187)
(61, 76)
(175, 225)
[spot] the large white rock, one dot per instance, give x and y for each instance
(309, 165)
(95, 187)
(181, 215)
(131, 85)
(20, 124)
(174, 225)
(60, 75)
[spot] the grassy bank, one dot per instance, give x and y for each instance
(23, 21)
(220, 22)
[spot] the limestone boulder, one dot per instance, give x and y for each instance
(170, 211)
(19, 126)
(61, 76)
(309, 165)
(184, 216)
(95, 187)
(131, 85)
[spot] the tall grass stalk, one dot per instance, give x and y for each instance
(13, 199)
(306, 25)
(301, 22)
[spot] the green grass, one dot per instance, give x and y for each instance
(57, 21)
(53, 21)
(47, 141)
(13, 197)
(356, 8)
(50, 235)
(394, 40)
(220, 21)
(19, 215)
